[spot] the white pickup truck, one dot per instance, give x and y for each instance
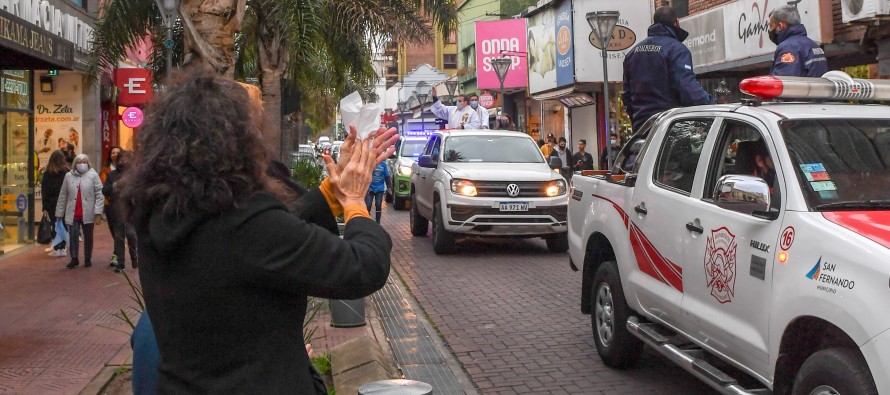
(748, 243)
(486, 183)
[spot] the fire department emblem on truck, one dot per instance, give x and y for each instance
(720, 264)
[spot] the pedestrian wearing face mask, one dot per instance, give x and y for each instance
(796, 54)
(481, 111)
(461, 116)
(604, 158)
(658, 71)
(81, 203)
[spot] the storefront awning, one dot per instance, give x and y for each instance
(24, 46)
(554, 94)
(568, 96)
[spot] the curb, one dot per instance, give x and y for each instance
(364, 359)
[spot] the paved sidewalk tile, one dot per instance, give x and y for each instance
(57, 326)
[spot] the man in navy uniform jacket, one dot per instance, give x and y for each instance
(796, 55)
(658, 71)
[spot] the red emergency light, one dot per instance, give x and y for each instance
(833, 85)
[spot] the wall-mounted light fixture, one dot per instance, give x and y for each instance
(46, 83)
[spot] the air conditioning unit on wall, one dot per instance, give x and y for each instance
(861, 10)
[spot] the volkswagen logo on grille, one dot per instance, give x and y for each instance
(512, 190)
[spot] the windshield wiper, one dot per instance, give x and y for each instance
(855, 204)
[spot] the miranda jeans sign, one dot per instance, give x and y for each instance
(18, 35)
(45, 15)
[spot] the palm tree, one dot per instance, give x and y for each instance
(207, 28)
(324, 48)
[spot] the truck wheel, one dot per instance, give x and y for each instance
(443, 240)
(398, 203)
(834, 371)
(615, 345)
(558, 243)
(419, 224)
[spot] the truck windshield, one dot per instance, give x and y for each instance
(496, 149)
(841, 164)
(412, 148)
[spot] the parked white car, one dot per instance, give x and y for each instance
(486, 183)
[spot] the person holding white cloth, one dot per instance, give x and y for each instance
(461, 116)
(480, 110)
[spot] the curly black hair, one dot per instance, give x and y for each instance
(199, 150)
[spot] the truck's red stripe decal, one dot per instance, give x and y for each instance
(649, 260)
(617, 208)
(671, 272)
(644, 262)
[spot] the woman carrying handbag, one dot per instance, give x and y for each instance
(50, 186)
(81, 203)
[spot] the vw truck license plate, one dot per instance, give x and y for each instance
(514, 206)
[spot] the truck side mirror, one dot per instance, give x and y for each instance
(427, 161)
(555, 162)
(744, 194)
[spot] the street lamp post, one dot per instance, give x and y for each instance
(451, 87)
(602, 23)
(403, 107)
(168, 10)
(422, 93)
(501, 67)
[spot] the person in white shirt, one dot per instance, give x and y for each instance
(461, 116)
(480, 110)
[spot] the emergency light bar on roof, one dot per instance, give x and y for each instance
(835, 85)
(417, 133)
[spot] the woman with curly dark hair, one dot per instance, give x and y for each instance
(225, 268)
(51, 186)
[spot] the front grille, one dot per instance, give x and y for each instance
(527, 189)
(463, 213)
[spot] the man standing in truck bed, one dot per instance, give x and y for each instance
(658, 71)
(796, 54)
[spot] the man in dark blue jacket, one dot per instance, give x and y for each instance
(658, 71)
(796, 55)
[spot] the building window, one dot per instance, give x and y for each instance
(470, 56)
(449, 60)
(452, 38)
(78, 3)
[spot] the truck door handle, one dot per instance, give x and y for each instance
(640, 209)
(694, 228)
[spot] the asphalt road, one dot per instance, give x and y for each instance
(509, 311)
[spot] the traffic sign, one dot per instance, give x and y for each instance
(168, 43)
(486, 100)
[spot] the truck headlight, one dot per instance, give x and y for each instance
(463, 187)
(404, 170)
(556, 188)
